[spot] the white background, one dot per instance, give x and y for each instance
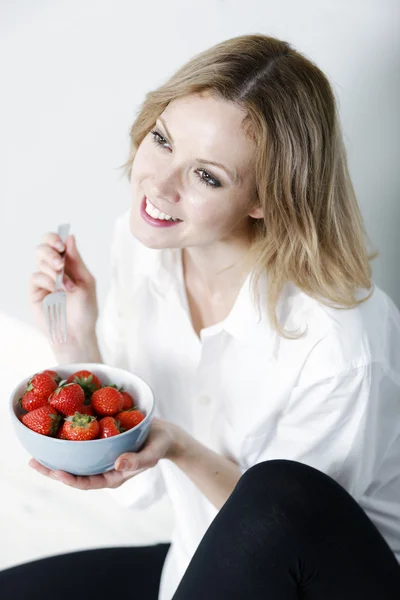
(73, 74)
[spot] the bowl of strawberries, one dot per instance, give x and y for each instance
(80, 417)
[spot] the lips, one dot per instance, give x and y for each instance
(158, 223)
(146, 199)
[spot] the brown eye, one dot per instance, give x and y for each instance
(158, 139)
(205, 177)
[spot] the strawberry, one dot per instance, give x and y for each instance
(128, 400)
(87, 409)
(44, 420)
(88, 381)
(61, 433)
(80, 428)
(42, 385)
(67, 398)
(129, 418)
(108, 427)
(55, 376)
(107, 401)
(31, 401)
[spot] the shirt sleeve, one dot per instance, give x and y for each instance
(330, 424)
(147, 487)
(141, 491)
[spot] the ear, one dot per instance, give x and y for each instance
(257, 213)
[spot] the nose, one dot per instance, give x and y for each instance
(164, 186)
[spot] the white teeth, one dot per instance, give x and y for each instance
(157, 214)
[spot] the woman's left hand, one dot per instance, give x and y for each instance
(163, 442)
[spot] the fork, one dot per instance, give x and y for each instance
(54, 304)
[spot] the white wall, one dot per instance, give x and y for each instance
(73, 73)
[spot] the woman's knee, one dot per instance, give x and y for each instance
(285, 498)
(286, 481)
(279, 469)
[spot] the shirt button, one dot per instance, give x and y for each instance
(204, 400)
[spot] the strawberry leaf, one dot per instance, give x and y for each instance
(88, 386)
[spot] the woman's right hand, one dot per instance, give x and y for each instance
(162, 442)
(78, 282)
(110, 479)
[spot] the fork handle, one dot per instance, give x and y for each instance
(63, 231)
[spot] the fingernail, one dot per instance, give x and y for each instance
(69, 285)
(60, 246)
(123, 465)
(54, 475)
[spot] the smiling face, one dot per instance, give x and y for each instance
(172, 172)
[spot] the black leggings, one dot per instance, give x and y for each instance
(286, 532)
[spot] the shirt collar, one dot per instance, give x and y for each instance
(246, 323)
(248, 320)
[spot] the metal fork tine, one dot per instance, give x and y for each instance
(64, 321)
(56, 328)
(60, 322)
(54, 304)
(59, 332)
(53, 324)
(49, 322)
(59, 326)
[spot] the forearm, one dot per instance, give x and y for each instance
(214, 475)
(76, 351)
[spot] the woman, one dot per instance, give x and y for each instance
(242, 293)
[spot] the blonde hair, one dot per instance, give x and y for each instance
(312, 233)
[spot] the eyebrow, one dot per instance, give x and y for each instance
(234, 175)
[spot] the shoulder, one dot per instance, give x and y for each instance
(338, 340)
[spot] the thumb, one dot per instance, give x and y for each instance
(74, 265)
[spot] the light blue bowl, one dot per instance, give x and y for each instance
(94, 456)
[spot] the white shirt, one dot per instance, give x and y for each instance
(330, 399)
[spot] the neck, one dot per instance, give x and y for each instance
(217, 268)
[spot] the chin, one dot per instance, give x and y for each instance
(138, 233)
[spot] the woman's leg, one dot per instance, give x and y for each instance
(289, 532)
(104, 573)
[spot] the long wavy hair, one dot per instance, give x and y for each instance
(312, 234)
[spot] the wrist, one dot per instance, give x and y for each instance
(181, 445)
(78, 350)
